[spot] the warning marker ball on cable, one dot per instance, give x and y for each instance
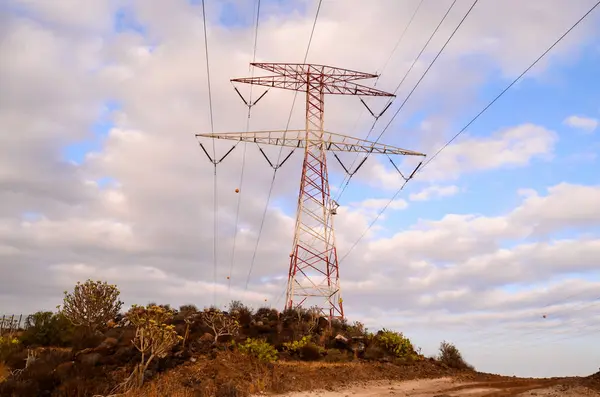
(237, 190)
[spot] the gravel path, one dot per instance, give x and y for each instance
(448, 387)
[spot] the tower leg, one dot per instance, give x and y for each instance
(313, 277)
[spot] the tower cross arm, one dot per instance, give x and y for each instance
(299, 138)
(298, 82)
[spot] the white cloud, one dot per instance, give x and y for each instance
(378, 204)
(152, 230)
(586, 124)
(511, 147)
(434, 191)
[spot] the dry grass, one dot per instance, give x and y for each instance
(232, 374)
(4, 372)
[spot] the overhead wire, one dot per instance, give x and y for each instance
(382, 69)
(469, 124)
(262, 222)
(241, 190)
(347, 181)
(212, 129)
(410, 21)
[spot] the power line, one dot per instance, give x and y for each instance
(241, 190)
(469, 123)
(262, 222)
(212, 129)
(418, 82)
(511, 84)
(399, 40)
(377, 80)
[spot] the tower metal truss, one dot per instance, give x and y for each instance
(313, 268)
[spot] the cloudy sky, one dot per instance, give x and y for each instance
(101, 175)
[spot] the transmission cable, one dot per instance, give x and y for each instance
(469, 124)
(399, 41)
(345, 185)
(262, 222)
(241, 190)
(212, 129)
(380, 73)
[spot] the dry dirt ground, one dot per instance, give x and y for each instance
(449, 387)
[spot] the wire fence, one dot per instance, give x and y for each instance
(10, 323)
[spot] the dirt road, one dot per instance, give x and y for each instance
(448, 387)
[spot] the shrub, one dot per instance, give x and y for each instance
(220, 323)
(337, 356)
(188, 309)
(310, 352)
(259, 349)
(153, 338)
(357, 329)
(47, 329)
(92, 304)
(396, 344)
(242, 312)
(451, 356)
(8, 346)
(295, 346)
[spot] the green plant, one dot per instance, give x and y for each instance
(153, 338)
(8, 341)
(92, 304)
(241, 312)
(47, 329)
(396, 344)
(220, 323)
(259, 349)
(451, 356)
(295, 346)
(8, 345)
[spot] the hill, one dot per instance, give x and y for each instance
(89, 348)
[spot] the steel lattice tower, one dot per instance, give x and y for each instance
(313, 268)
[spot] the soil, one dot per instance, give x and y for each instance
(453, 387)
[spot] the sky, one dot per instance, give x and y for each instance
(101, 175)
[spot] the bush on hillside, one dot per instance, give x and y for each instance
(47, 329)
(92, 304)
(395, 343)
(451, 356)
(242, 312)
(153, 338)
(8, 346)
(259, 349)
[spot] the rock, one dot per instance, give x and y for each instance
(90, 359)
(108, 344)
(63, 371)
(341, 338)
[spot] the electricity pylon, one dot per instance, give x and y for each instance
(313, 270)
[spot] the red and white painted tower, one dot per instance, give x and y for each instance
(314, 270)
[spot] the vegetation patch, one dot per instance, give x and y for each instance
(89, 348)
